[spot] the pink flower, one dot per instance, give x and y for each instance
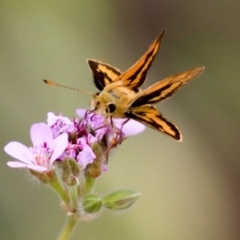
(70, 152)
(46, 149)
(95, 121)
(59, 124)
(101, 127)
(86, 155)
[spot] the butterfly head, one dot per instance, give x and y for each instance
(101, 105)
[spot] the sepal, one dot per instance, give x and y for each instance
(43, 177)
(120, 200)
(92, 203)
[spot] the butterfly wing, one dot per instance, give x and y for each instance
(135, 76)
(151, 117)
(103, 74)
(165, 88)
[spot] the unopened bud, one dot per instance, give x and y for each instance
(120, 200)
(68, 171)
(94, 169)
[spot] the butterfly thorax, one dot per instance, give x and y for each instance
(112, 101)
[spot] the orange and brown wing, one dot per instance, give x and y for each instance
(151, 117)
(135, 76)
(103, 74)
(165, 88)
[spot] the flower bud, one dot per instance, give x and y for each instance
(120, 200)
(63, 170)
(43, 177)
(92, 203)
(68, 171)
(94, 169)
(75, 169)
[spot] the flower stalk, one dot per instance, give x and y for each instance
(69, 156)
(61, 192)
(89, 183)
(68, 228)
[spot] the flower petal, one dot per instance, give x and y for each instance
(40, 133)
(91, 139)
(60, 124)
(86, 156)
(130, 128)
(29, 166)
(16, 164)
(37, 168)
(81, 112)
(51, 118)
(19, 151)
(60, 144)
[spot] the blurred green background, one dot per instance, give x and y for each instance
(189, 190)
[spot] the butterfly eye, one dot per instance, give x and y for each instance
(111, 108)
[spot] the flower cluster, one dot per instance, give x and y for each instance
(62, 138)
(70, 154)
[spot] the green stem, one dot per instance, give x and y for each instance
(68, 228)
(89, 184)
(74, 197)
(55, 184)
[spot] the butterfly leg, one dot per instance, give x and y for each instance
(119, 133)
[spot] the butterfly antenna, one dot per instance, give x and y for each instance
(63, 86)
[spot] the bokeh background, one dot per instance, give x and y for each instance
(189, 190)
